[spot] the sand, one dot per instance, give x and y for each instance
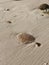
(23, 16)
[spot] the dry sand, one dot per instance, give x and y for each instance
(20, 16)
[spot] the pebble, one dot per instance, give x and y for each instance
(9, 21)
(38, 44)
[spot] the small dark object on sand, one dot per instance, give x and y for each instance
(38, 44)
(44, 7)
(9, 21)
(42, 15)
(8, 9)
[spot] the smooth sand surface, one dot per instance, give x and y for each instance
(24, 17)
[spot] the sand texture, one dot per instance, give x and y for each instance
(23, 16)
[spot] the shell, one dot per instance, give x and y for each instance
(25, 38)
(44, 6)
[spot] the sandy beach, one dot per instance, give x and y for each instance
(22, 16)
